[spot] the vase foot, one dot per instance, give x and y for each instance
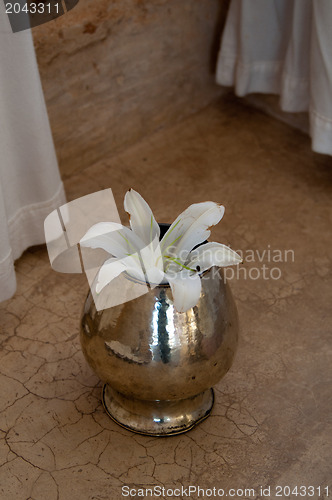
(157, 418)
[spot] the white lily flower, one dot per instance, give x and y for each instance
(172, 260)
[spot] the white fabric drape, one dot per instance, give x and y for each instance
(282, 47)
(30, 184)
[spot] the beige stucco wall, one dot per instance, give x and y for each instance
(115, 71)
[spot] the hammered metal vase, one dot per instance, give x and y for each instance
(159, 365)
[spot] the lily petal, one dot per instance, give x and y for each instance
(112, 268)
(191, 228)
(154, 276)
(116, 239)
(186, 289)
(212, 254)
(142, 220)
(108, 272)
(153, 262)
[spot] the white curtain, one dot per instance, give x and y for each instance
(30, 184)
(282, 47)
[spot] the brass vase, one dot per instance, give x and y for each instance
(159, 365)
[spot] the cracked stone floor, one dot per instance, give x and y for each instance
(271, 424)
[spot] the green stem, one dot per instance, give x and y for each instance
(168, 233)
(179, 263)
(128, 242)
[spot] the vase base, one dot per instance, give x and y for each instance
(157, 418)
